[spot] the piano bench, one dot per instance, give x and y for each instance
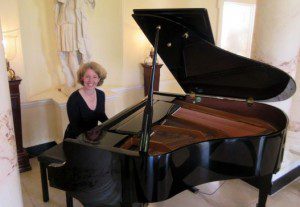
(52, 155)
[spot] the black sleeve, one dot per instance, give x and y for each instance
(73, 110)
(103, 116)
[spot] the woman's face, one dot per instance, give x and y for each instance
(90, 79)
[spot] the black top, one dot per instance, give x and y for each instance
(81, 117)
(187, 48)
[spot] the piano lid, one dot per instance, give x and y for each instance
(186, 45)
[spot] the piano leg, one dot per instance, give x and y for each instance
(264, 190)
(69, 200)
(43, 168)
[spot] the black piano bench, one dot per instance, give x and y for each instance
(52, 155)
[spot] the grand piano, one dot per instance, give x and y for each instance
(218, 130)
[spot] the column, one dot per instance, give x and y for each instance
(10, 187)
(276, 38)
(276, 41)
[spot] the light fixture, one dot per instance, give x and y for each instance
(149, 59)
(10, 49)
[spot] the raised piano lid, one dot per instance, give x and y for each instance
(187, 47)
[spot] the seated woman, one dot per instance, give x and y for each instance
(86, 106)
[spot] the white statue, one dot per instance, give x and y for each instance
(71, 25)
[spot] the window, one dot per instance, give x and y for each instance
(237, 27)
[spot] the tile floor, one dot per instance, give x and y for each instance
(232, 193)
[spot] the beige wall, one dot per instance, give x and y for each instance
(105, 29)
(38, 43)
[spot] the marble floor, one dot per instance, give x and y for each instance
(232, 193)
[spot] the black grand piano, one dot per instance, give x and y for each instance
(168, 143)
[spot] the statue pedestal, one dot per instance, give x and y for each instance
(147, 75)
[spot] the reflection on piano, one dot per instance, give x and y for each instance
(217, 131)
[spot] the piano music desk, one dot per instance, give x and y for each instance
(52, 155)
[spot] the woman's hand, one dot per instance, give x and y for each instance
(94, 135)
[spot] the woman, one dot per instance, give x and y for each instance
(95, 182)
(86, 106)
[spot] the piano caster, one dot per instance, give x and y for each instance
(135, 205)
(193, 189)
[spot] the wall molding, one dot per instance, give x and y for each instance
(33, 104)
(113, 93)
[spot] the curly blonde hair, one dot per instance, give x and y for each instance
(96, 67)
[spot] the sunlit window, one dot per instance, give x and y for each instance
(237, 27)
